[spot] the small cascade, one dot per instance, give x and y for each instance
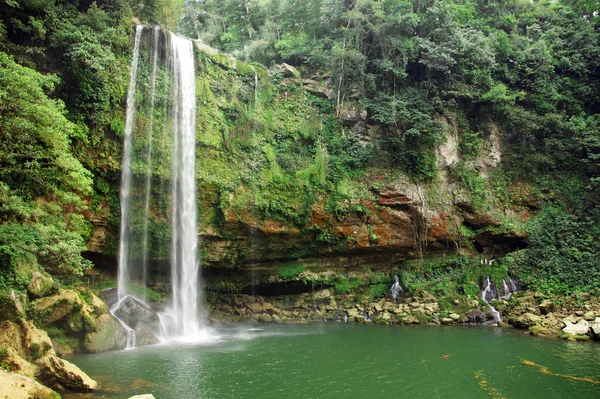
(506, 290)
(509, 288)
(131, 338)
(487, 295)
(396, 289)
(514, 284)
(255, 83)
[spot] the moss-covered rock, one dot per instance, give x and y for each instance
(28, 341)
(42, 285)
(29, 350)
(527, 320)
(17, 386)
(109, 334)
(12, 305)
(539, 331)
(62, 374)
(51, 309)
(12, 361)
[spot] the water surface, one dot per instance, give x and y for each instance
(353, 361)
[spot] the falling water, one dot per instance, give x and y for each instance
(154, 59)
(185, 311)
(487, 295)
(507, 292)
(124, 271)
(255, 83)
(131, 338)
(124, 267)
(184, 318)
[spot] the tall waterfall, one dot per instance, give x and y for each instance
(126, 179)
(152, 146)
(184, 261)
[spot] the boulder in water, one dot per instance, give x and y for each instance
(595, 327)
(582, 327)
(109, 334)
(61, 374)
(527, 320)
(139, 317)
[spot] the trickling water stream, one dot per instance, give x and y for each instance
(487, 295)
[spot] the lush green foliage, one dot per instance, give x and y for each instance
(42, 182)
(59, 128)
(288, 272)
(529, 68)
(526, 67)
(563, 253)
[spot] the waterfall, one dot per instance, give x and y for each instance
(255, 83)
(184, 317)
(124, 264)
(487, 295)
(184, 263)
(148, 183)
(396, 289)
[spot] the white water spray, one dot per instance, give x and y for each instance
(487, 295)
(185, 311)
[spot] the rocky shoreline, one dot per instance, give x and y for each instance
(78, 320)
(566, 318)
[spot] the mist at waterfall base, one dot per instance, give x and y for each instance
(335, 360)
(158, 182)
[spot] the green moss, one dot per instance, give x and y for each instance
(471, 288)
(3, 358)
(65, 343)
(36, 351)
(423, 318)
(85, 295)
(224, 60)
(104, 285)
(343, 284)
(290, 271)
(377, 291)
(244, 69)
(41, 394)
(143, 292)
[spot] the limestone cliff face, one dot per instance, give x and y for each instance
(398, 221)
(392, 218)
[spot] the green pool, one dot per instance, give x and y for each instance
(352, 361)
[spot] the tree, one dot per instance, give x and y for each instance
(41, 183)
